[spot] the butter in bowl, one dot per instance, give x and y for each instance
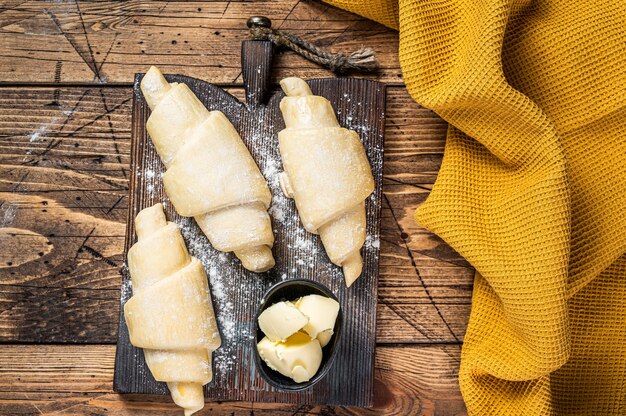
(298, 328)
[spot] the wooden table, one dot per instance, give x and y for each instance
(66, 71)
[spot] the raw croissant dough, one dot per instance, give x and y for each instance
(170, 314)
(210, 174)
(327, 174)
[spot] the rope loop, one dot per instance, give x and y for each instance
(362, 60)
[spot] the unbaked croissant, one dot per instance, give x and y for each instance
(170, 314)
(327, 174)
(210, 175)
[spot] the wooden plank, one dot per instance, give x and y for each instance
(420, 379)
(104, 42)
(64, 161)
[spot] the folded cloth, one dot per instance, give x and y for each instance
(532, 190)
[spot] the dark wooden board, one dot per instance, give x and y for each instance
(236, 292)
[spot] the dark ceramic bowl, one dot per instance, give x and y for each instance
(292, 290)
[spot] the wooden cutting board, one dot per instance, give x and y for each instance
(236, 292)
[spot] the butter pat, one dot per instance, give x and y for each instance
(325, 337)
(322, 313)
(298, 358)
(281, 320)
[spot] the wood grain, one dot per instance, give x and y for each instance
(68, 183)
(108, 42)
(76, 380)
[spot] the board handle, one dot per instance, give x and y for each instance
(256, 64)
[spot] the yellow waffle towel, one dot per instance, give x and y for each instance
(532, 190)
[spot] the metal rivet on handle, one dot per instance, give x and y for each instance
(259, 21)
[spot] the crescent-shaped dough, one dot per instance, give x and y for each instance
(170, 314)
(210, 175)
(327, 174)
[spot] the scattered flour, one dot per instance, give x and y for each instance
(271, 171)
(35, 137)
(8, 211)
(127, 284)
(371, 242)
(150, 180)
